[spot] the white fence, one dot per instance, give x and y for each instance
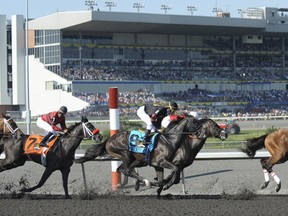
(200, 156)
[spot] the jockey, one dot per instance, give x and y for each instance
(153, 116)
(166, 121)
(48, 123)
(194, 114)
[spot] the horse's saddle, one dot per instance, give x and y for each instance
(31, 146)
(136, 139)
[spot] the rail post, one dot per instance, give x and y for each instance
(114, 128)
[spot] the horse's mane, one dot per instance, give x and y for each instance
(171, 125)
(204, 120)
(72, 127)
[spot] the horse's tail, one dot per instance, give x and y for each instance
(254, 144)
(92, 152)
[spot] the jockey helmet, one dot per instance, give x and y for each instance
(63, 109)
(173, 105)
(194, 114)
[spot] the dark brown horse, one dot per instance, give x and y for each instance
(167, 145)
(8, 128)
(189, 149)
(59, 156)
(276, 144)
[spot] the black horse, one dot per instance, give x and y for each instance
(8, 128)
(59, 156)
(163, 155)
(189, 149)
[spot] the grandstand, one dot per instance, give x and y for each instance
(90, 51)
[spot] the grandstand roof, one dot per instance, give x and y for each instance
(98, 21)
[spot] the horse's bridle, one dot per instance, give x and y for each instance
(222, 133)
(6, 123)
(88, 132)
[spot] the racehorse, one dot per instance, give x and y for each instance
(8, 128)
(276, 144)
(168, 143)
(59, 156)
(189, 149)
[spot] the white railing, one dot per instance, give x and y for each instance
(200, 156)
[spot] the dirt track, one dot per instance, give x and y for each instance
(214, 188)
(243, 204)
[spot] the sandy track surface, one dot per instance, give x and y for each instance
(214, 188)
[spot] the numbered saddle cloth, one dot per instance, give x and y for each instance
(136, 139)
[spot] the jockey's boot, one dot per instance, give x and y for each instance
(146, 140)
(43, 142)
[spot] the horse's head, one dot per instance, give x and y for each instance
(90, 131)
(209, 128)
(9, 126)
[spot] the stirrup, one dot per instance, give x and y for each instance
(43, 144)
(141, 145)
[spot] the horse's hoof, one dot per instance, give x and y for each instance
(147, 183)
(165, 187)
(159, 192)
(137, 185)
(278, 187)
(24, 190)
(264, 185)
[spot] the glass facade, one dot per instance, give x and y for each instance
(48, 49)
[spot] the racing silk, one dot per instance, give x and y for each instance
(159, 111)
(156, 114)
(53, 119)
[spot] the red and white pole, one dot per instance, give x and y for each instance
(114, 128)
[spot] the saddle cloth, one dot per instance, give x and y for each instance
(31, 145)
(136, 138)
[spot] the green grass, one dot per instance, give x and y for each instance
(232, 142)
(242, 136)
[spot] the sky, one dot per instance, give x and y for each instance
(39, 8)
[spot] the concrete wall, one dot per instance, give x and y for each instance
(44, 101)
(4, 98)
(18, 59)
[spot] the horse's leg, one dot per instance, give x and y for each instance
(10, 164)
(65, 174)
(45, 176)
(267, 168)
(13, 156)
(160, 177)
(127, 168)
(171, 179)
(127, 171)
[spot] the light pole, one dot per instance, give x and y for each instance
(216, 10)
(166, 7)
(28, 112)
(241, 12)
(138, 6)
(192, 9)
(90, 4)
(110, 5)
